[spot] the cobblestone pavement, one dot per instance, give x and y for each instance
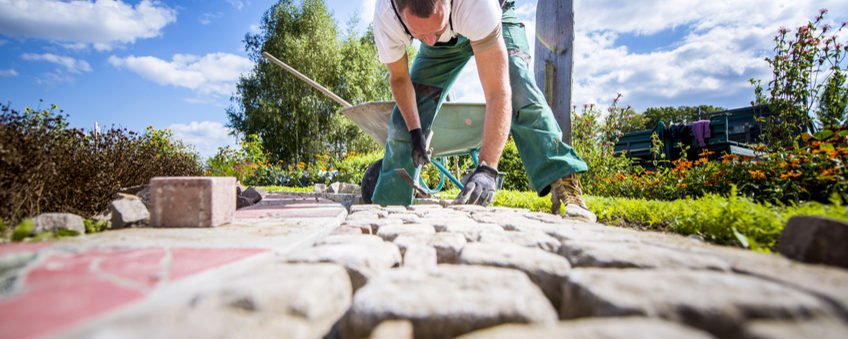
(430, 271)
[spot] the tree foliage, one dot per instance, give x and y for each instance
(670, 114)
(294, 121)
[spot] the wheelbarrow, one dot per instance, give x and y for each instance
(457, 130)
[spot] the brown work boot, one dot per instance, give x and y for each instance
(569, 192)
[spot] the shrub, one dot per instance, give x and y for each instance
(803, 66)
(510, 163)
(47, 167)
(813, 172)
(594, 141)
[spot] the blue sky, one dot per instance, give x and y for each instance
(174, 64)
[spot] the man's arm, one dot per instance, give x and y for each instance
(493, 69)
(403, 92)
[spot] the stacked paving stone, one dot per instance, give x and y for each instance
(305, 268)
(477, 272)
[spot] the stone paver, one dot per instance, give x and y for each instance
(471, 231)
(815, 240)
(622, 327)
(716, 302)
(545, 269)
(390, 232)
(447, 245)
(447, 301)
(192, 201)
(628, 254)
(537, 239)
(51, 222)
(299, 266)
(393, 329)
(826, 327)
(362, 260)
(420, 257)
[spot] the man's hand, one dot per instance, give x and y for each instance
(480, 187)
(419, 148)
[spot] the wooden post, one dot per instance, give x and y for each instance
(555, 58)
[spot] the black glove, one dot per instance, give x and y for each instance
(480, 187)
(419, 148)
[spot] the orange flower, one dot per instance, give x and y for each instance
(682, 185)
(827, 172)
(757, 174)
(619, 176)
(702, 161)
(790, 175)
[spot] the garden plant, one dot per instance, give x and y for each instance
(46, 166)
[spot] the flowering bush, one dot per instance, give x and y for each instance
(250, 165)
(813, 172)
(807, 73)
(594, 142)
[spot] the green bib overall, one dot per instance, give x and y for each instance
(534, 128)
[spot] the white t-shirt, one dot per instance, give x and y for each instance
(474, 19)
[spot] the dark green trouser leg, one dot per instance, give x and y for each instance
(433, 72)
(534, 128)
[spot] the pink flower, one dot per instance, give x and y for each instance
(823, 11)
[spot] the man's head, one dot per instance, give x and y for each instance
(427, 20)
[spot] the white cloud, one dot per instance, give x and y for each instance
(102, 23)
(367, 11)
(52, 79)
(214, 73)
(71, 65)
(205, 136)
(255, 29)
(207, 18)
(8, 73)
(237, 4)
(721, 45)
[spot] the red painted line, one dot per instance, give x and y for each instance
(22, 247)
(48, 310)
(188, 261)
(63, 291)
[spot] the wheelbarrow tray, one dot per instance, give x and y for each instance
(457, 129)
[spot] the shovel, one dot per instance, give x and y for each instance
(404, 175)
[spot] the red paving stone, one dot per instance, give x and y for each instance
(68, 288)
(21, 247)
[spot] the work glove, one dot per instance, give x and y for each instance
(480, 187)
(419, 148)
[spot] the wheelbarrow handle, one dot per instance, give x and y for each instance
(307, 80)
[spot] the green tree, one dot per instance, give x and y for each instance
(670, 114)
(833, 104)
(293, 120)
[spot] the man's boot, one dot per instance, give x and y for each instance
(569, 192)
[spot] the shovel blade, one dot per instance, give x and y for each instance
(404, 175)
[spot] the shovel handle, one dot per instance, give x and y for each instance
(307, 80)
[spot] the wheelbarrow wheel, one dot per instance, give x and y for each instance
(369, 180)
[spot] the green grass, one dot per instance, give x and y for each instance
(287, 189)
(720, 220)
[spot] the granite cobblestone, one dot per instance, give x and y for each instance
(433, 271)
